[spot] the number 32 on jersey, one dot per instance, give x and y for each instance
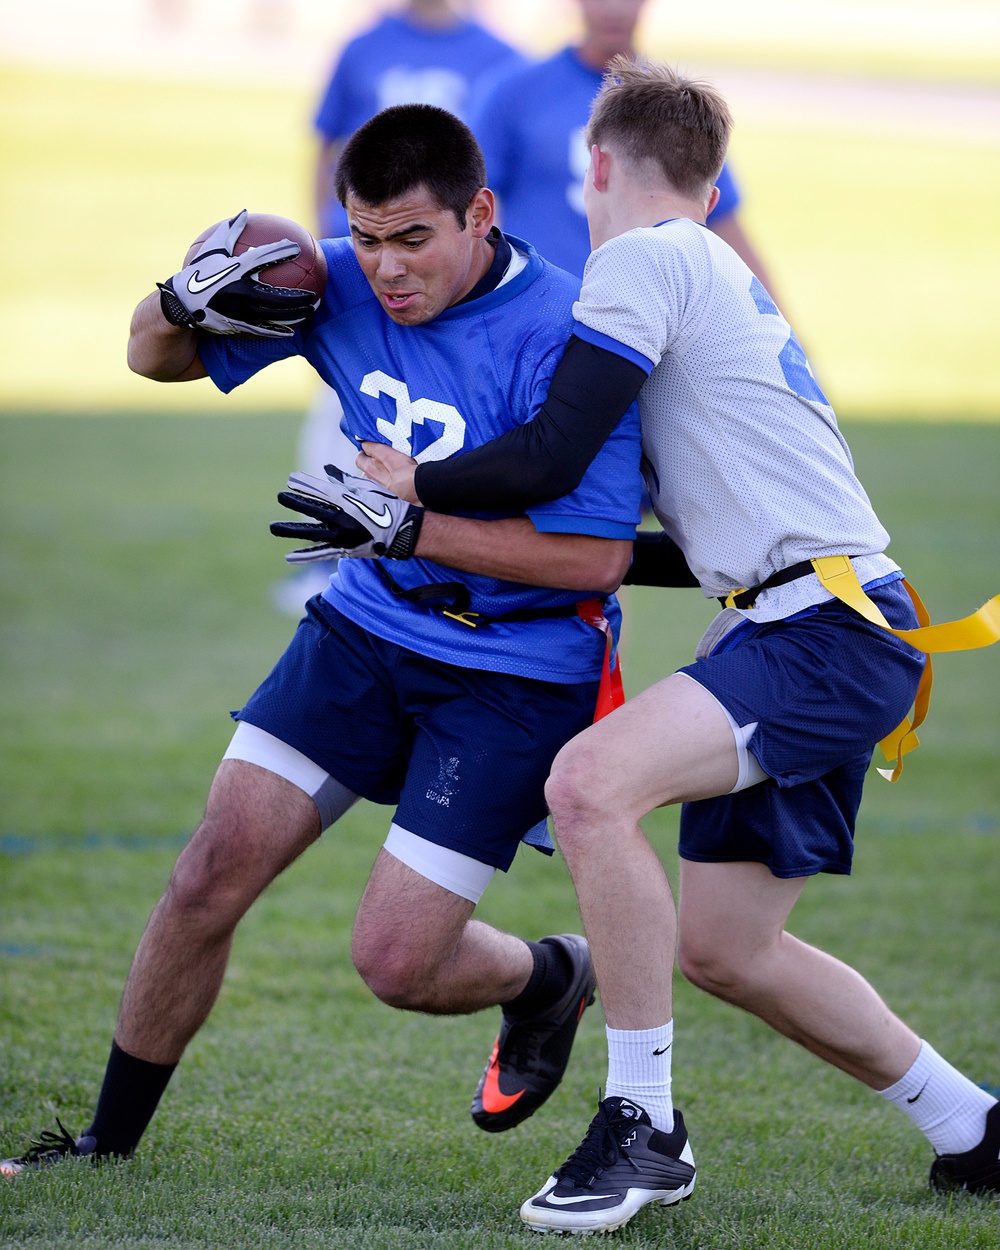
(410, 412)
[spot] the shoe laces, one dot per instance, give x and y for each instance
(602, 1145)
(50, 1145)
(523, 1049)
(526, 1039)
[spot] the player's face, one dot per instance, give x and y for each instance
(610, 24)
(415, 256)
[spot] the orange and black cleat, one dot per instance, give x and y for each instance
(530, 1053)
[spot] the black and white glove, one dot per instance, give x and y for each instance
(353, 517)
(221, 293)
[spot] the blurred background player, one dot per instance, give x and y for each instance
(529, 119)
(530, 124)
(426, 52)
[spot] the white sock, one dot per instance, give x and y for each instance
(945, 1105)
(639, 1069)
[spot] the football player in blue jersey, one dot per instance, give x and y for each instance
(427, 52)
(441, 693)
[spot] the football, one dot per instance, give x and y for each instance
(305, 272)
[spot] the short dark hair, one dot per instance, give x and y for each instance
(408, 146)
(653, 115)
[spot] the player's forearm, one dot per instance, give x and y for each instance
(658, 561)
(512, 549)
(159, 350)
(546, 458)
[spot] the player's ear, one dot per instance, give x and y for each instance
(482, 211)
(713, 199)
(600, 166)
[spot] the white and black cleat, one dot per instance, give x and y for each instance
(976, 1170)
(49, 1148)
(622, 1165)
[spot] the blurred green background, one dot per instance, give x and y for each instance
(867, 146)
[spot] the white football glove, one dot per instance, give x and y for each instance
(221, 293)
(353, 517)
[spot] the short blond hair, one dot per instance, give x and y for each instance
(652, 115)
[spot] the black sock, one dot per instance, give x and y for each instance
(129, 1096)
(549, 979)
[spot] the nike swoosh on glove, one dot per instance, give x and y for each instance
(223, 294)
(352, 517)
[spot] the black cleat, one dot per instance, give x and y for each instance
(50, 1148)
(978, 1169)
(622, 1164)
(530, 1055)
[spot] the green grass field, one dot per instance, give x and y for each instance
(135, 568)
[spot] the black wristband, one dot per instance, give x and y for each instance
(404, 544)
(173, 309)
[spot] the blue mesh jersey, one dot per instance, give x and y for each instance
(399, 62)
(475, 371)
(530, 123)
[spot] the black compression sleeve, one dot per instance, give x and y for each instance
(658, 561)
(545, 458)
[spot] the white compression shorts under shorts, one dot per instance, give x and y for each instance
(453, 871)
(461, 874)
(751, 773)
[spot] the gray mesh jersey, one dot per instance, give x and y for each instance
(745, 465)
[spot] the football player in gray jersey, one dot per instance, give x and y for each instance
(766, 738)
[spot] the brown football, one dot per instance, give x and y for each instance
(305, 272)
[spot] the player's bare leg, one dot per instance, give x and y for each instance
(733, 944)
(671, 743)
(416, 946)
(256, 823)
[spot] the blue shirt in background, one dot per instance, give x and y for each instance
(399, 62)
(530, 123)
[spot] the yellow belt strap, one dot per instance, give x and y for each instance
(981, 629)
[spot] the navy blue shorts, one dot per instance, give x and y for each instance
(824, 687)
(462, 752)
